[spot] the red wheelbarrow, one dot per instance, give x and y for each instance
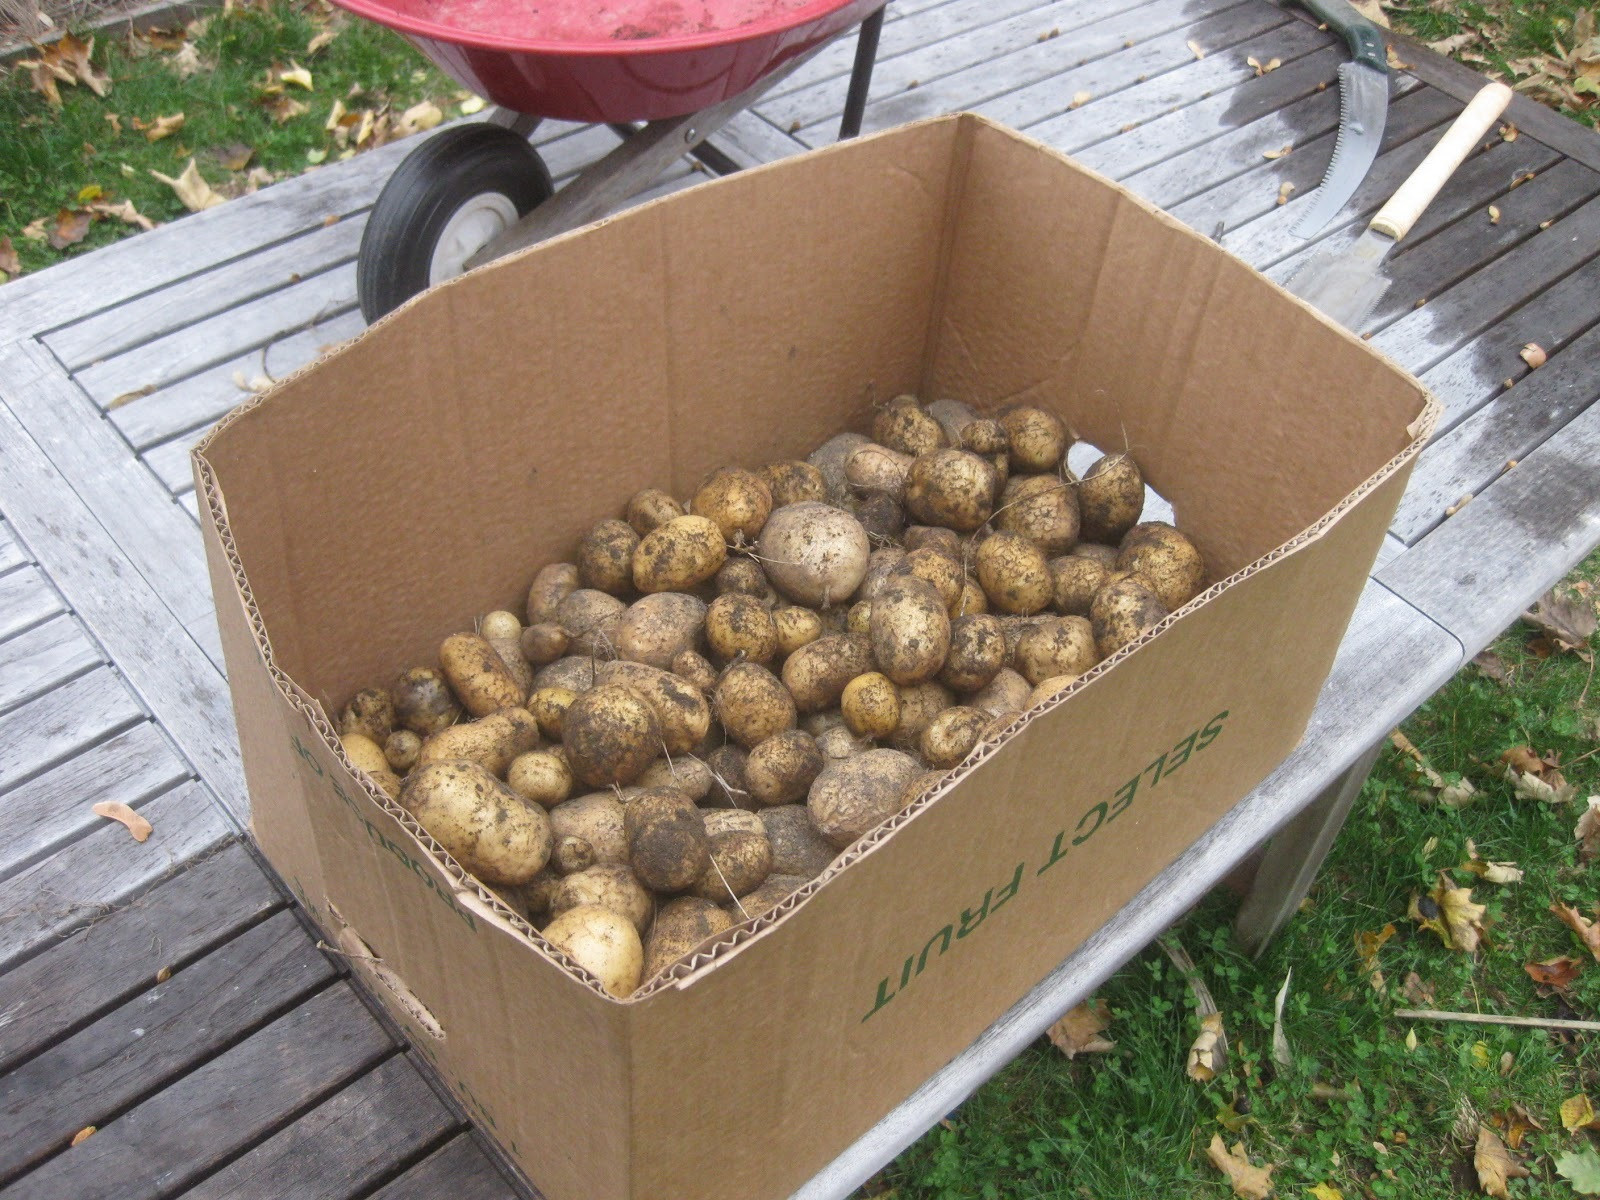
(474, 192)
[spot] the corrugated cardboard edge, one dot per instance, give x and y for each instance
(726, 944)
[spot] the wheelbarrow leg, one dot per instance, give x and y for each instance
(521, 124)
(714, 159)
(855, 101)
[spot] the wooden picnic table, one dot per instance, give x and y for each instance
(170, 994)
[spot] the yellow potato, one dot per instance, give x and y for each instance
(1043, 509)
(752, 704)
(952, 735)
(549, 708)
(729, 820)
(605, 557)
(1106, 556)
(977, 652)
(541, 776)
(880, 565)
(1007, 692)
(550, 587)
(798, 847)
(610, 885)
(919, 705)
(765, 898)
(481, 823)
(1074, 580)
(875, 469)
(796, 627)
(678, 555)
(693, 668)
(745, 576)
(1048, 689)
(680, 927)
(400, 749)
(971, 602)
(780, 769)
(478, 675)
(934, 537)
(910, 631)
(571, 855)
(901, 425)
(937, 568)
(950, 488)
(1166, 562)
(728, 789)
(602, 942)
(1014, 573)
(871, 705)
(740, 628)
(685, 772)
(739, 501)
(650, 509)
(856, 794)
(1111, 497)
(423, 701)
(740, 863)
(367, 756)
(680, 708)
(592, 619)
(656, 629)
(986, 436)
(598, 819)
(1037, 440)
(369, 713)
(816, 674)
(1065, 646)
(491, 741)
(544, 643)
(1121, 613)
(830, 459)
(611, 734)
(790, 482)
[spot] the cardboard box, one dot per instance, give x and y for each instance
(376, 502)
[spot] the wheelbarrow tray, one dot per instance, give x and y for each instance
(629, 60)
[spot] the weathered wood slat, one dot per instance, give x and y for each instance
(203, 295)
(37, 659)
(49, 728)
(1391, 660)
(104, 868)
(170, 461)
(51, 809)
(228, 334)
(26, 598)
(1254, 193)
(344, 1145)
(209, 1115)
(125, 602)
(1037, 80)
(157, 1036)
(1421, 338)
(11, 552)
(460, 1170)
(1508, 428)
(1548, 508)
(114, 959)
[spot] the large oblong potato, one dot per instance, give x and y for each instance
(680, 926)
(859, 793)
(478, 675)
(611, 734)
(492, 741)
(676, 556)
(552, 585)
(602, 942)
(1065, 646)
(752, 704)
(656, 629)
(485, 826)
(953, 489)
(816, 674)
(679, 706)
(910, 630)
(597, 818)
(1014, 573)
(815, 555)
(1121, 613)
(780, 769)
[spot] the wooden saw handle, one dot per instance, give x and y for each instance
(1414, 195)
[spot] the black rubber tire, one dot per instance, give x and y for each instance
(423, 194)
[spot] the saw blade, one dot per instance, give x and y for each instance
(1363, 110)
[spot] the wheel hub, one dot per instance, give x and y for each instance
(470, 228)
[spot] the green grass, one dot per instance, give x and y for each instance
(1129, 1125)
(47, 157)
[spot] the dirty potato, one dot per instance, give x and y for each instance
(492, 741)
(765, 898)
(610, 885)
(423, 701)
(1121, 612)
(681, 925)
(740, 628)
(1065, 646)
(680, 708)
(484, 825)
(883, 517)
(591, 619)
(1007, 692)
(543, 643)
(685, 772)
(780, 769)
(839, 742)
(1037, 440)
(875, 469)
(986, 436)
(541, 776)
(950, 488)
(611, 733)
(856, 794)
(370, 713)
(571, 855)
(952, 735)
(728, 820)
(1074, 580)
(1014, 573)
(1042, 508)
(728, 789)
(830, 458)
(953, 417)
(692, 667)
(400, 750)
(503, 631)
(977, 652)
(549, 708)
(871, 705)
(752, 704)
(919, 705)
(745, 576)
(1049, 689)
(798, 847)
(814, 554)
(740, 863)
(1167, 563)
(602, 942)
(368, 756)
(654, 630)
(739, 501)
(1111, 497)
(678, 555)
(937, 568)
(597, 818)
(550, 587)
(667, 844)
(605, 557)
(816, 674)
(791, 481)
(650, 509)
(477, 675)
(910, 631)
(1105, 555)
(901, 425)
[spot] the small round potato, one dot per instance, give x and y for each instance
(740, 863)
(839, 742)
(1061, 647)
(667, 844)
(692, 667)
(727, 820)
(367, 756)
(856, 794)
(798, 847)
(791, 481)
(1166, 562)
(1111, 497)
(934, 537)
(977, 652)
(1121, 612)
(910, 631)
(830, 458)
(679, 706)
(1007, 692)
(591, 619)
(952, 735)
(816, 674)
(744, 576)
(680, 926)
(484, 825)
(650, 509)
(676, 556)
(550, 587)
(814, 554)
(369, 713)
(986, 436)
(795, 627)
(597, 818)
(780, 769)
(752, 704)
(1076, 578)
(571, 855)
(610, 885)
(871, 705)
(765, 898)
(478, 675)
(544, 643)
(400, 749)
(1037, 440)
(549, 708)
(657, 628)
(423, 701)
(878, 469)
(605, 557)
(882, 516)
(901, 425)
(859, 618)
(919, 705)
(611, 734)
(685, 772)
(935, 567)
(1041, 508)
(541, 776)
(602, 942)
(739, 501)
(1014, 573)
(739, 628)
(950, 488)
(728, 786)
(492, 741)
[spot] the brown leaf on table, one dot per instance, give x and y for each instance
(1205, 1056)
(1554, 974)
(1533, 354)
(1079, 99)
(1577, 1112)
(1261, 68)
(10, 264)
(1394, 60)
(1508, 133)
(1079, 1031)
(1587, 831)
(1284, 190)
(1588, 932)
(161, 127)
(124, 212)
(1450, 913)
(1278, 153)
(1248, 1182)
(119, 400)
(115, 810)
(83, 1135)
(1494, 214)
(191, 188)
(70, 227)
(1494, 1164)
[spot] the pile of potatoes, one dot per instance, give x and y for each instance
(717, 696)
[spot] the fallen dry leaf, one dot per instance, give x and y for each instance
(122, 398)
(124, 212)
(1581, 1169)
(419, 117)
(1508, 133)
(1458, 794)
(1533, 354)
(1492, 872)
(1248, 1182)
(1552, 788)
(83, 1135)
(1450, 913)
(1557, 974)
(1494, 1164)
(1262, 68)
(1205, 1056)
(70, 227)
(1079, 1031)
(1195, 48)
(1325, 1191)
(297, 75)
(321, 41)
(164, 974)
(235, 156)
(1279, 153)
(1587, 831)
(1394, 60)
(1519, 1122)
(185, 62)
(282, 108)
(1523, 759)
(191, 188)
(10, 264)
(161, 127)
(1566, 620)
(1453, 43)
(1417, 991)
(1588, 932)
(115, 810)
(1494, 214)
(1281, 1053)
(1368, 943)
(34, 230)
(1577, 1113)
(1079, 99)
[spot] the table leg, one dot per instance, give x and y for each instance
(1294, 856)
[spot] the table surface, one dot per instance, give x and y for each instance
(168, 994)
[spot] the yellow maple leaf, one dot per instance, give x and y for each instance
(1450, 913)
(1248, 1182)
(1326, 1191)
(1576, 1113)
(1494, 1164)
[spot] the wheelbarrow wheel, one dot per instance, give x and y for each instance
(442, 205)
